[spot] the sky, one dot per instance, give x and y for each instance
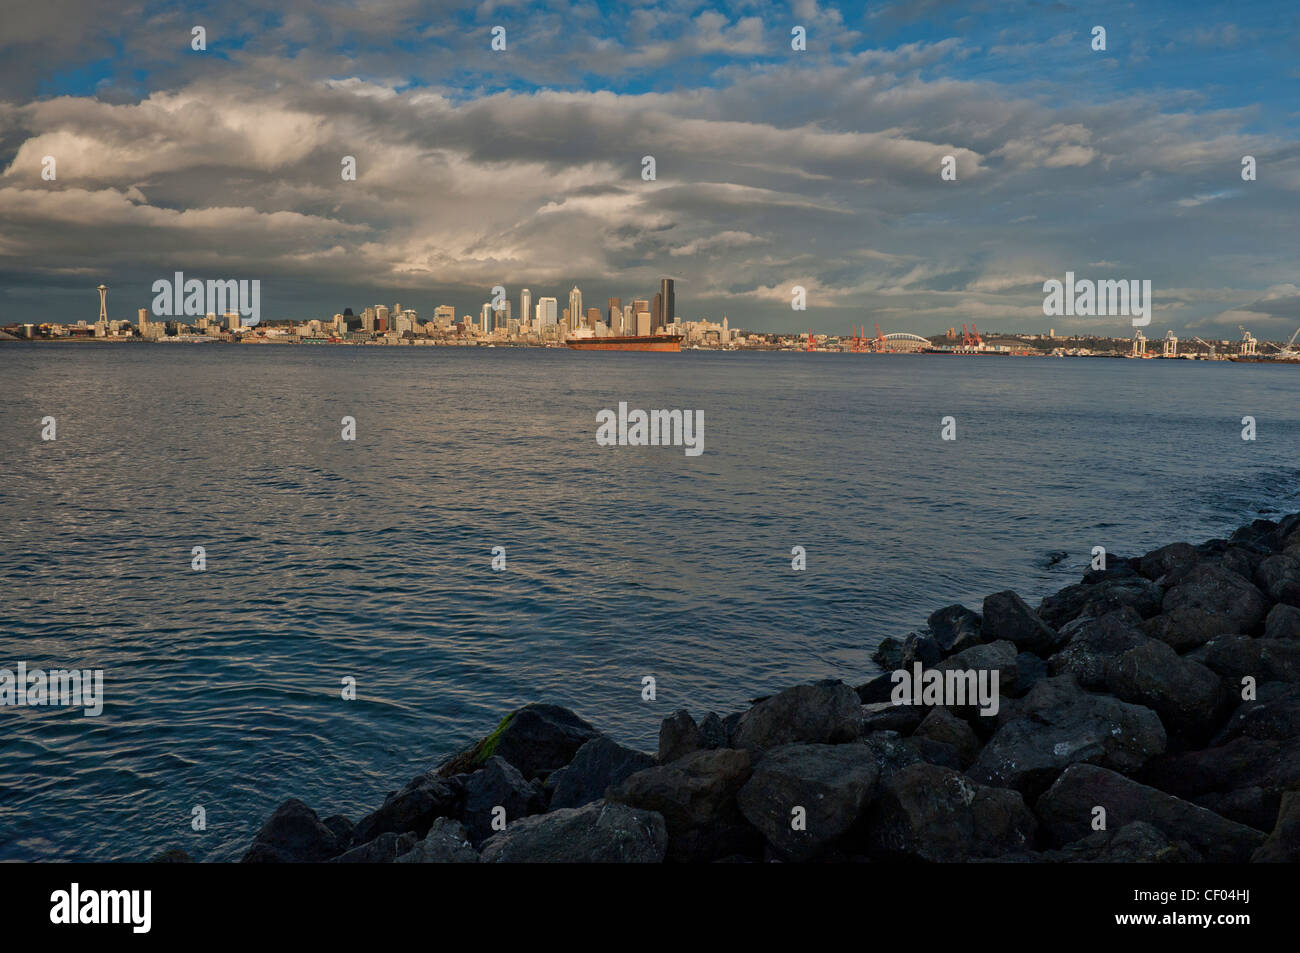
(774, 167)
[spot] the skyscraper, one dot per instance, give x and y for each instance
(525, 306)
(485, 317)
(547, 312)
(593, 317)
(615, 314)
(667, 301)
(656, 312)
(575, 307)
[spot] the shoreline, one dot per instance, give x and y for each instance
(1149, 712)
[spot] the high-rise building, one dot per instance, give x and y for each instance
(593, 317)
(615, 313)
(381, 318)
(232, 320)
(368, 320)
(485, 317)
(142, 316)
(643, 323)
(575, 307)
(667, 301)
(656, 313)
(629, 320)
(444, 316)
(525, 306)
(547, 316)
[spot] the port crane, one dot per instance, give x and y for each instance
(1205, 344)
(1139, 344)
(1248, 342)
(879, 342)
(1170, 346)
(1287, 350)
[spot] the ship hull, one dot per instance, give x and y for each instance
(654, 342)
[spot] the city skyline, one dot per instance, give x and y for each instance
(774, 168)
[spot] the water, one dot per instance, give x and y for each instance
(372, 559)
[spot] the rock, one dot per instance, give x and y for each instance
(446, 843)
(920, 647)
(954, 628)
(498, 784)
(1265, 660)
(1094, 642)
(697, 797)
(1066, 813)
(713, 733)
(891, 752)
(832, 783)
(1007, 617)
(927, 812)
(1186, 629)
(1117, 567)
(599, 764)
(1135, 843)
(1283, 845)
(413, 808)
(1243, 779)
(886, 716)
(1244, 562)
(1274, 715)
(1058, 724)
(1279, 577)
(1261, 532)
(597, 833)
(1232, 600)
(344, 830)
(678, 735)
(1184, 693)
(1282, 622)
(293, 834)
(888, 654)
(1000, 657)
(1176, 558)
(1098, 599)
(1030, 670)
(536, 739)
(879, 689)
(384, 849)
(943, 726)
(173, 855)
(825, 713)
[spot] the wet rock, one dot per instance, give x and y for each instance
(825, 713)
(413, 808)
(1176, 558)
(599, 764)
(1185, 694)
(1279, 577)
(1000, 657)
(293, 834)
(697, 797)
(498, 784)
(597, 833)
(832, 783)
(1066, 813)
(955, 628)
(1117, 567)
(1274, 715)
(384, 849)
(1058, 724)
(1235, 601)
(1282, 622)
(943, 726)
(679, 735)
(1083, 600)
(713, 733)
(536, 739)
(1030, 670)
(1007, 617)
(927, 812)
(886, 716)
(1283, 844)
(1094, 642)
(920, 647)
(888, 654)
(879, 689)
(1265, 660)
(1261, 532)
(446, 843)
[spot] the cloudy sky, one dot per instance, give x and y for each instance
(775, 167)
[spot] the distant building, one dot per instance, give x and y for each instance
(547, 317)
(667, 302)
(525, 306)
(575, 306)
(593, 317)
(485, 317)
(444, 316)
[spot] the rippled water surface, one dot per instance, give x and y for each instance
(372, 559)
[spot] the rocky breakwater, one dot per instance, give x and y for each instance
(1150, 712)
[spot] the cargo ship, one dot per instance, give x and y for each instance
(649, 342)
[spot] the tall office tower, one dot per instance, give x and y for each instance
(501, 319)
(656, 313)
(643, 323)
(143, 317)
(667, 301)
(565, 320)
(485, 317)
(615, 312)
(368, 320)
(381, 318)
(575, 307)
(639, 305)
(444, 316)
(232, 320)
(525, 306)
(547, 314)
(629, 320)
(593, 317)
(397, 309)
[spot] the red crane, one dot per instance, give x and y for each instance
(879, 342)
(979, 341)
(810, 346)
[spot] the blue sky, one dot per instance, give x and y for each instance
(775, 167)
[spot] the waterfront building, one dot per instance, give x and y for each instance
(575, 306)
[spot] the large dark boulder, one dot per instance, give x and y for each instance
(888, 654)
(413, 808)
(1279, 577)
(446, 843)
(943, 726)
(1185, 694)
(1282, 622)
(599, 764)
(1273, 715)
(920, 647)
(498, 784)
(293, 834)
(536, 739)
(1265, 660)
(831, 783)
(1000, 657)
(1066, 812)
(1283, 844)
(1094, 643)
(597, 833)
(955, 628)
(1097, 599)
(697, 797)
(931, 813)
(1176, 559)
(1007, 617)
(825, 713)
(1058, 724)
(678, 735)
(1208, 601)
(384, 849)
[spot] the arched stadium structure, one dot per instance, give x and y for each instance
(905, 341)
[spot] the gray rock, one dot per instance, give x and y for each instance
(1000, 657)
(413, 808)
(713, 732)
(597, 833)
(825, 713)
(1184, 693)
(1093, 643)
(1058, 724)
(696, 795)
(1098, 599)
(1266, 660)
(1066, 813)
(832, 783)
(536, 739)
(446, 843)
(1282, 622)
(943, 726)
(384, 849)
(679, 735)
(293, 834)
(1174, 558)
(1274, 715)
(886, 716)
(1186, 629)
(888, 654)
(1007, 617)
(498, 784)
(599, 764)
(920, 647)
(1279, 577)
(1234, 600)
(927, 812)
(955, 628)
(1283, 845)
